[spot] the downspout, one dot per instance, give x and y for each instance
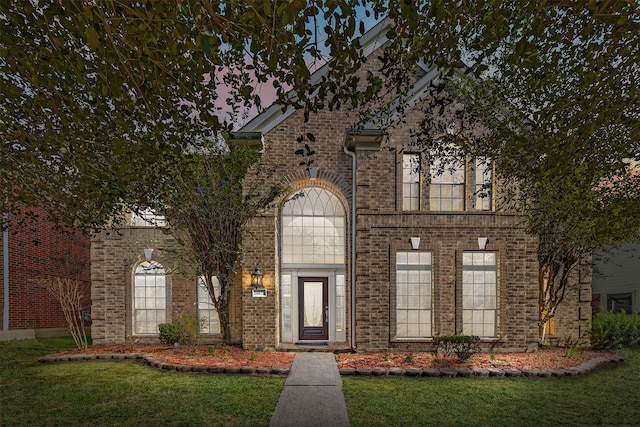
(5, 279)
(352, 154)
(365, 139)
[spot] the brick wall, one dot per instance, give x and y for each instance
(382, 229)
(37, 249)
(115, 256)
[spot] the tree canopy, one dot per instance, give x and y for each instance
(99, 101)
(207, 206)
(555, 86)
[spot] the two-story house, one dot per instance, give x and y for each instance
(378, 254)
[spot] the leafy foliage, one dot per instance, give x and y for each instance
(99, 100)
(172, 333)
(463, 346)
(548, 92)
(611, 331)
(207, 207)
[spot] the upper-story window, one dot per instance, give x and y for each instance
(447, 186)
(484, 184)
(147, 217)
(454, 185)
(411, 194)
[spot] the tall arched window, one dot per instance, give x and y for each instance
(149, 298)
(313, 228)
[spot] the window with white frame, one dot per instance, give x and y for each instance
(149, 298)
(479, 294)
(411, 194)
(313, 228)
(484, 184)
(147, 217)
(447, 186)
(208, 320)
(413, 295)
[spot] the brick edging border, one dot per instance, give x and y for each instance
(147, 359)
(150, 360)
(582, 369)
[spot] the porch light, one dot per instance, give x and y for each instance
(482, 242)
(148, 252)
(257, 289)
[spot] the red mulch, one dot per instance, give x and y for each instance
(547, 359)
(202, 355)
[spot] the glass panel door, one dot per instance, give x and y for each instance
(313, 308)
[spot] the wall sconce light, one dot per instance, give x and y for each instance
(415, 242)
(257, 289)
(148, 252)
(482, 242)
(313, 172)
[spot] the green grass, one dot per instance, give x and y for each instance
(126, 393)
(123, 393)
(609, 397)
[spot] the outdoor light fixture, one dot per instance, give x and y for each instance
(147, 253)
(482, 242)
(415, 242)
(257, 289)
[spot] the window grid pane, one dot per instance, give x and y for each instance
(479, 294)
(313, 229)
(413, 295)
(484, 195)
(341, 303)
(411, 182)
(208, 320)
(447, 187)
(149, 298)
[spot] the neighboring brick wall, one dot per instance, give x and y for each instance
(36, 249)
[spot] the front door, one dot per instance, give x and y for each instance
(313, 308)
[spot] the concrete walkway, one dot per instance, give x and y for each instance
(312, 394)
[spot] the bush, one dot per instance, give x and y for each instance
(171, 333)
(610, 331)
(463, 346)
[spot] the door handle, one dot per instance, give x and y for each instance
(326, 314)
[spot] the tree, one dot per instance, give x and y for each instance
(555, 86)
(207, 207)
(97, 99)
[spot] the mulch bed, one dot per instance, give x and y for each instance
(229, 356)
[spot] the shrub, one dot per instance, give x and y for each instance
(610, 331)
(171, 333)
(463, 346)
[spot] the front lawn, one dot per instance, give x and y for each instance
(127, 393)
(123, 393)
(608, 396)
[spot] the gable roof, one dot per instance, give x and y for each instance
(373, 39)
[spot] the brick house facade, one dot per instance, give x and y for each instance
(339, 266)
(31, 249)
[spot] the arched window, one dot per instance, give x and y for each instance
(149, 298)
(313, 228)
